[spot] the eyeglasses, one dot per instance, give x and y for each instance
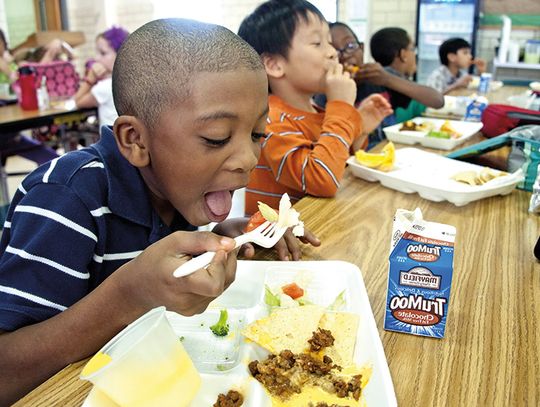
(413, 49)
(349, 48)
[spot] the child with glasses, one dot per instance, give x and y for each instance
(372, 78)
(305, 148)
(456, 58)
(394, 50)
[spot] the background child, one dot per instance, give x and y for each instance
(393, 48)
(456, 58)
(91, 240)
(8, 68)
(305, 149)
(372, 78)
(96, 88)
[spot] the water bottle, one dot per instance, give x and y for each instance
(27, 82)
(485, 80)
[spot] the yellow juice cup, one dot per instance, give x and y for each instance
(145, 365)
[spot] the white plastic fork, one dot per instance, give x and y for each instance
(265, 235)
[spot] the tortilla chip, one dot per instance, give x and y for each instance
(316, 394)
(343, 326)
(286, 328)
(478, 178)
(467, 177)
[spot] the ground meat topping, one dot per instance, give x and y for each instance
(285, 374)
(231, 399)
(352, 388)
(322, 338)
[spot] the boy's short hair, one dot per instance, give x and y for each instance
(343, 25)
(156, 64)
(386, 44)
(451, 46)
(271, 27)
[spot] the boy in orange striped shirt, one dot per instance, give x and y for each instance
(305, 149)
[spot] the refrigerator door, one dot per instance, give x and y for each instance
(438, 21)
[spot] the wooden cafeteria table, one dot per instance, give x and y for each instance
(14, 119)
(489, 356)
(501, 95)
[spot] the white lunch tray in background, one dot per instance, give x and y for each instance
(429, 175)
(223, 362)
(467, 130)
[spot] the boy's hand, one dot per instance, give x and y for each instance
(463, 82)
(97, 72)
(340, 85)
(373, 110)
(373, 73)
(480, 65)
(287, 247)
(147, 281)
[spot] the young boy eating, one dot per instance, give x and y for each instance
(456, 58)
(92, 238)
(393, 48)
(305, 149)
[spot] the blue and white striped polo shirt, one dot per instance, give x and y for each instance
(72, 223)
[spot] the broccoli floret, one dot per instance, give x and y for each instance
(222, 327)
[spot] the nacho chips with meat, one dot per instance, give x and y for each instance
(311, 357)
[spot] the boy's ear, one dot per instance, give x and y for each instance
(274, 65)
(451, 56)
(402, 55)
(132, 139)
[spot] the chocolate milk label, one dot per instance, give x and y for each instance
(420, 275)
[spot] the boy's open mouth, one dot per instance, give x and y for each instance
(219, 204)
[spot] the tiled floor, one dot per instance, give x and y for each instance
(17, 164)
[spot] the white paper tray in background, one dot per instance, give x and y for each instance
(467, 129)
(244, 299)
(429, 175)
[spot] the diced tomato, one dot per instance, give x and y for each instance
(255, 221)
(293, 290)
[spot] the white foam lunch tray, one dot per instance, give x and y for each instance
(467, 130)
(223, 362)
(429, 175)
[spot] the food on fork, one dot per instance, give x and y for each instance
(286, 216)
(383, 161)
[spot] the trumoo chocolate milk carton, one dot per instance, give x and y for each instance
(420, 275)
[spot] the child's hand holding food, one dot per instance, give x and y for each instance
(339, 84)
(147, 281)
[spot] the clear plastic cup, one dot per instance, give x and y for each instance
(145, 365)
(532, 52)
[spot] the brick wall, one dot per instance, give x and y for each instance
(96, 16)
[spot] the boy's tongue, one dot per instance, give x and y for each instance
(219, 202)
